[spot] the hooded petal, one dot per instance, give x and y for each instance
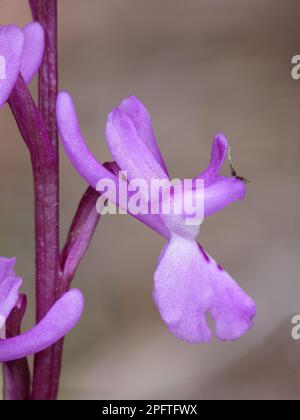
(189, 285)
(141, 119)
(11, 46)
(219, 153)
(219, 191)
(84, 162)
(33, 50)
(129, 150)
(61, 318)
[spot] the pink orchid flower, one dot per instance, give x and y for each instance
(188, 283)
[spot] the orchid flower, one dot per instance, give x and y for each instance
(61, 318)
(20, 51)
(188, 283)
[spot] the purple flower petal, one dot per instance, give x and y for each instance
(83, 160)
(74, 144)
(129, 150)
(11, 46)
(141, 119)
(189, 285)
(232, 309)
(33, 50)
(9, 288)
(221, 193)
(215, 196)
(219, 153)
(9, 293)
(181, 293)
(7, 267)
(61, 318)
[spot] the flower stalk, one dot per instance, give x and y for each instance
(46, 181)
(44, 167)
(54, 272)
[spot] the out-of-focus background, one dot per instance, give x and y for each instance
(200, 66)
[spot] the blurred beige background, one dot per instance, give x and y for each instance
(200, 66)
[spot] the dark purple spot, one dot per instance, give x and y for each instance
(204, 253)
(220, 267)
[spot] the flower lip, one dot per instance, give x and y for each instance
(188, 285)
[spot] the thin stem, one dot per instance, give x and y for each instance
(46, 371)
(44, 166)
(45, 11)
(39, 131)
(79, 238)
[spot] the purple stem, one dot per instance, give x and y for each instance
(45, 12)
(79, 238)
(39, 131)
(46, 373)
(44, 166)
(16, 374)
(31, 126)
